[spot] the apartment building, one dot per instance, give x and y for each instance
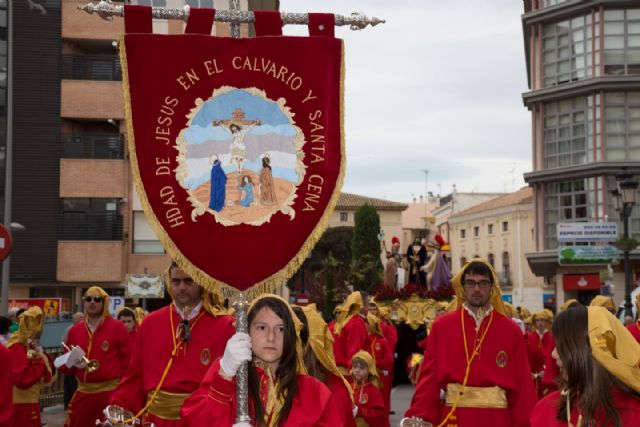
(583, 70)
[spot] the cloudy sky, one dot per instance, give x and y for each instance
(438, 87)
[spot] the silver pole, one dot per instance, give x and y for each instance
(107, 10)
(8, 193)
(242, 375)
(234, 6)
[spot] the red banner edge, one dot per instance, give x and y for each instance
(277, 279)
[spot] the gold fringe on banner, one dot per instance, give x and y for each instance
(275, 280)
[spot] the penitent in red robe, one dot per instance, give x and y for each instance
(384, 364)
(353, 337)
(371, 407)
(214, 403)
(342, 399)
(501, 361)
(152, 351)
(6, 388)
(545, 412)
(539, 351)
(109, 345)
(634, 328)
(27, 375)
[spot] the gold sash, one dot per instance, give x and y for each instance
(476, 397)
(166, 405)
(91, 388)
(28, 395)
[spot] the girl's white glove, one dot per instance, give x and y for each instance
(237, 351)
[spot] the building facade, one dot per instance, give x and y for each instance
(583, 65)
(72, 186)
(501, 231)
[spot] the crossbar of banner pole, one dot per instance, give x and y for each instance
(107, 10)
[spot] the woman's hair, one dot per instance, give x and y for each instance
(286, 374)
(248, 179)
(585, 378)
(266, 162)
(311, 362)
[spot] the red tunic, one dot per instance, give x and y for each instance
(539, 352)
(501, 361)
(342, 399)
(550, 378)
(370, 404)
(384, 364)
(353, 337)
(544, 413)
(634, 328)
(26, 374)
(109, 345)
(6, 389)
(390, 333)
(214, 403)
(152, 352)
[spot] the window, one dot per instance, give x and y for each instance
(567, 50)
(622, 125)
(344, 216)
(492, 260)
(505, 279)
(570, 201)
(463, 233)
(622, 42)
(144, 239)
(567, 128)
(489, 228)
(476, 231)
(90, 219)
(505, 226)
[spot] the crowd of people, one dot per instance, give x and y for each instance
(485, 363)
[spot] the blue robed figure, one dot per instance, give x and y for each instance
(218, 186)
(247, 188)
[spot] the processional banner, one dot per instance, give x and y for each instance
(236, 145)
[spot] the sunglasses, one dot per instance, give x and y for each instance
(93, 299)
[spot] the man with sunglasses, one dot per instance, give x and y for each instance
(475, 370)
(105, 342)
(173, 351)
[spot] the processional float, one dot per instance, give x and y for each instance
(236, 144)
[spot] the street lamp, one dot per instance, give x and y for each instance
(624, 197)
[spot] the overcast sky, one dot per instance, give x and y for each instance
(438, 87)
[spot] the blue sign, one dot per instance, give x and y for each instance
(507, 298)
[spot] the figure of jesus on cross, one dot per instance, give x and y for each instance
(238, 127)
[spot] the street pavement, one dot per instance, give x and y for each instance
(400, 400)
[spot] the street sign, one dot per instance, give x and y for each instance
(6, 242)
(115, 304)
(587, 232)
(587, 255)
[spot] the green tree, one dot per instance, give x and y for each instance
(366, 269)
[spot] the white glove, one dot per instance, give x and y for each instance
(242, 424)
(75, 358)
(237, 351)
(355, 411)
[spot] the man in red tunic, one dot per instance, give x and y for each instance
(540, 344)
(634, 327)
(351, 332)
(105, 342)
(476, 359)
(175, 347)
(31, 369)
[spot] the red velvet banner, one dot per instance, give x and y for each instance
(236, 148)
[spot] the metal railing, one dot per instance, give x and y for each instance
(93, 146)
(91, 67)
(91, 226)
(52, 393)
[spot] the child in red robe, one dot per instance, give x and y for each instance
(370, 409)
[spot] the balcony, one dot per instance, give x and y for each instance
(91, 99)
(91, 67)
(80, 26)
(93, 146)
(96, 178)
(91, 226)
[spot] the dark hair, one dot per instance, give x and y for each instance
(265, 162)
(585, 378)
(5, 323)
(287, 372)
(479, 268)
(311, 362)
(233, 125)
(127, 312)
(22, 310)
